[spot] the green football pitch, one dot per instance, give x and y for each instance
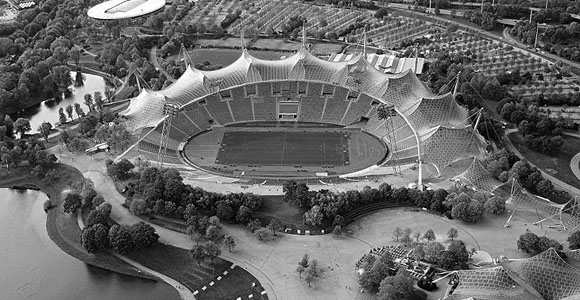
(284, 148)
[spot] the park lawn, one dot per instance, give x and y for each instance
(560, 162)
(178, 264)
(63, 229)
(285, 213)
(288, 215)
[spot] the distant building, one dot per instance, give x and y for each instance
(22, 4)
(386, 63)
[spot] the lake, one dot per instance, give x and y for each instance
(48, 109)
(32, 267)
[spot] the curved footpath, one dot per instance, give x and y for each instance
(574, 191)
(95, 170)
(183, 291)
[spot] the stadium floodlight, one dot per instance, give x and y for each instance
(170, 110)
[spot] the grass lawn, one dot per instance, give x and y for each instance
(558, 164)
(177, 264)
(289, 216)
(238, 278)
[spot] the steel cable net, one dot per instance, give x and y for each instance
(489, 284)
(441, 110)
(522, 199)
(570, 215)
(547, 273)
(477, 176)
(145, 110)
(443, 146)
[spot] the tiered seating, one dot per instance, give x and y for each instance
(311, 109)
(302, 88)
(155, 138)
(241, 105)
(406, 153)
(314, 89)
(403, 132)
(264, 89)
(265, 108)
(358, 109)
(200, 117)
(336, 106)
(406, 143)
(151, 143)
(183, 124)
(218, 108)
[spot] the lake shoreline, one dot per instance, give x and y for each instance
(62, 229)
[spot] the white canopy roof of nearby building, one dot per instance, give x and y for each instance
(124, 9)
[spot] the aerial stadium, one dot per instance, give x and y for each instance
(124, 9)
(301, 117)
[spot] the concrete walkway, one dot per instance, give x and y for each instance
(93, 167)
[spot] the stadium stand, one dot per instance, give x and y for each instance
(358, 108)
(336, 104)
(241, 105)
(265, 108)
(311, 109)
(219, 109)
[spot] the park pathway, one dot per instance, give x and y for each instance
(155, 61)
(183, 291)
(93, 167)
(574, 191)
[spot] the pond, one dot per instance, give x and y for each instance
(48, 109)
(34, 268)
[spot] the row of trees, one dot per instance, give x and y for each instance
(326, 207)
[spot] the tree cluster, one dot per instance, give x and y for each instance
(540, 132)
(531, 243)
(231, 18)
(506, 166)
(455, 257)
(163, 192)
(323, 206)
(310, 268)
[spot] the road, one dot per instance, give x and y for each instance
(155, 61)
(546, 55)
(510, 41)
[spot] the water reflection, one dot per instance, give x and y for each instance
(48, 109)
(32, 267)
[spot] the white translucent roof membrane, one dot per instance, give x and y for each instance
(124, 9)
(145, 110)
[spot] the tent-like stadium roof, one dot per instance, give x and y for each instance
(544, 276)
(440, 126)
(124, 9)
(547, 273)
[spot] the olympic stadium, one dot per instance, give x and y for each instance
(301, 117)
